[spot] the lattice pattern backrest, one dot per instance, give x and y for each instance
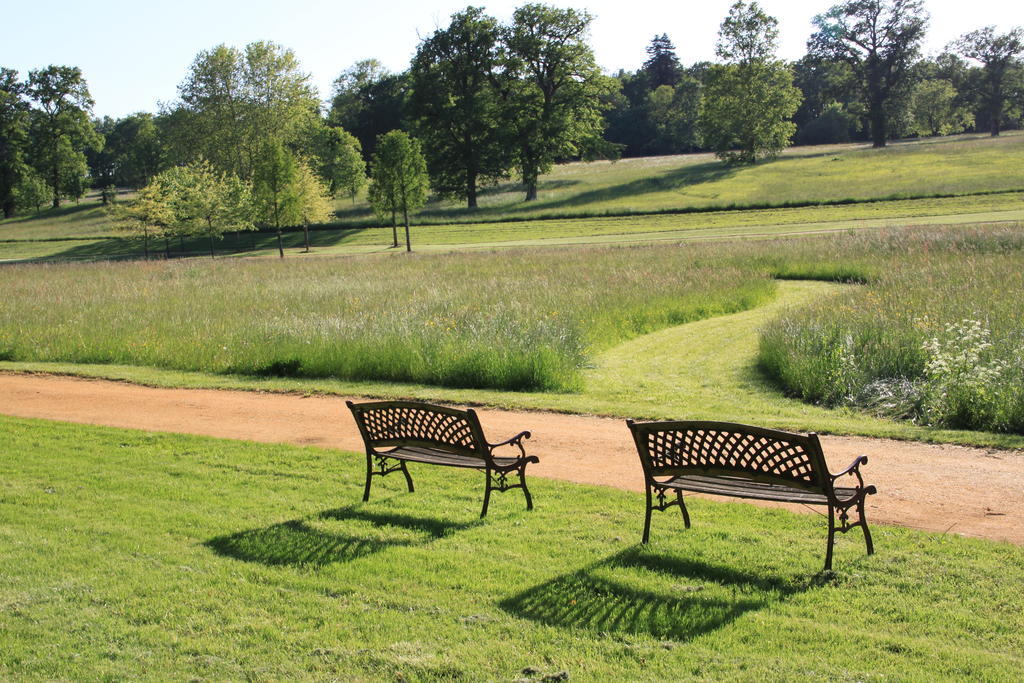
(718, 447)
(412, 423)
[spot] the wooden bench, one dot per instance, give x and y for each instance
(399, 432)
(726, 459)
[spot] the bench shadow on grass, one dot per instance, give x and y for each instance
(300, 542)
(691, 597)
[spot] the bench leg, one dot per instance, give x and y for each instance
(647, 518)
(831, 537)
(526, 491)
(369, 475)
(682, 506)
(487, 494)
(408, 477)
(864, 526)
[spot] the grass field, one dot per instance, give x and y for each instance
(517, 320)
(982, 173)
(554, 321)
(135, 555)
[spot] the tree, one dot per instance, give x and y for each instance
(32, 191)
(312, 203)
(233, 102)
(14, 118)
(368, 101)
(137, 150)
(935, 110)
(996, 53)
(206, 202)
(748, 103)
(455, 105)
(831, 108)
(149, 215)
(341, 161)
(276, 202)
(878, 38)
(400, 178)
(662, 65)
(672, 112)
(554, 90)
(60, 129)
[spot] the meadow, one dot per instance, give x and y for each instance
(936, 337)
(516, 320)
(145, 555)
(573, 327)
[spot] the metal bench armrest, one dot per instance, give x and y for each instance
(516, 441)
(853, 469)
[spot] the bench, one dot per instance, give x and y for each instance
(398, 432)
(726, 459)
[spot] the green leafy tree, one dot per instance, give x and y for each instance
(456, 107)
(672, 113)
(274, 179)
(341, 162)
(32, 191)
(208, 203)
(368, 101)
(61, 130)
(749, 102)
(400, 179)
(313, 199)
(554, 110)
(150, 215)
(935, 110)
(14, 121)
(879, 39)
(137, 150)
(234, 101)
(997, 54)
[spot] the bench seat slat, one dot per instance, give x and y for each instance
(438, 457)
(740, 487)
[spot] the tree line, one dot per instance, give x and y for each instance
(482, 101)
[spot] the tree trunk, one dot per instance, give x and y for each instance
(211, 246)
(876, 114)
(145, 244)
(280, 244)
(181, 244)
(471, 189)
(305, 229)
(56, 187)
(997, 117)
(167, 246)
(394, 230)
(405, 215)
(531, 191)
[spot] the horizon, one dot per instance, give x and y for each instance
(127, 77)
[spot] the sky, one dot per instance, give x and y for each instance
(134, 54)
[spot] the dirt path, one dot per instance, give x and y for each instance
(969, 491)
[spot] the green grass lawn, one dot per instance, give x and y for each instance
(134, 555)
(605, 201)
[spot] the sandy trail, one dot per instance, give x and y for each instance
(970, 491)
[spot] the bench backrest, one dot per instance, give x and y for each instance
(725, 448)
(411, 423)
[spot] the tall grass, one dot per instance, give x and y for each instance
(936, 336)
(522, 320)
